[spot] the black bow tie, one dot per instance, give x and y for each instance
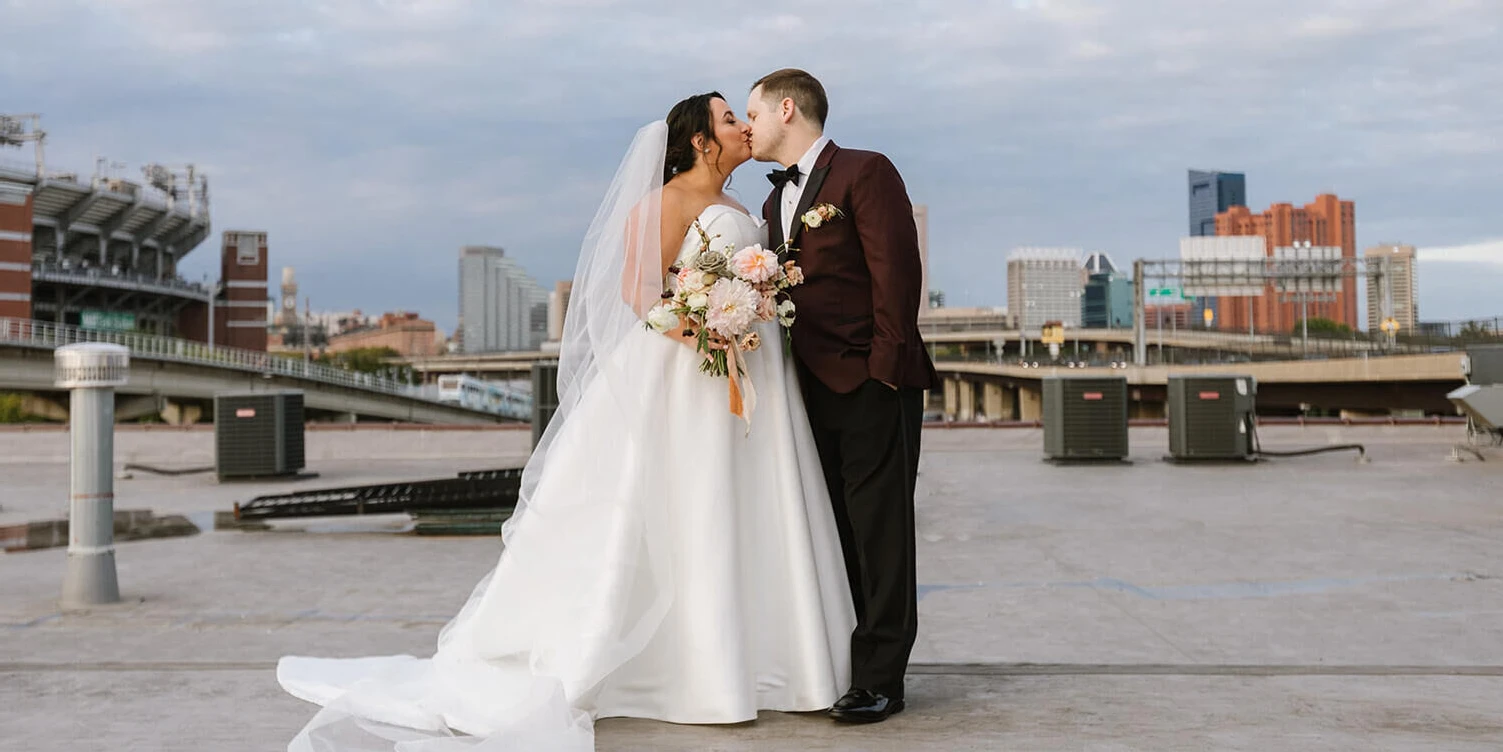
(780, 178)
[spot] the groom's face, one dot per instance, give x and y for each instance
(767, 128)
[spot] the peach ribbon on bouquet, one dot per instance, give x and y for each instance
(743, 394)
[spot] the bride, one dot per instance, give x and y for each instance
(664, 562)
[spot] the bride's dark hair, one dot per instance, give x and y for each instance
(688, 119)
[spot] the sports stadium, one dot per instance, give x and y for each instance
(100, 250)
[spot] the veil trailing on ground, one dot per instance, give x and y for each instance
(519, 666)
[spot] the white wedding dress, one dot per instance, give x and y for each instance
(672, 565)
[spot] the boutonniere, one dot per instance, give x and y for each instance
(819, 215)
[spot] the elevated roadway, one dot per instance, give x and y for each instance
(1095, 345)
(178, 379)
(1361, 386)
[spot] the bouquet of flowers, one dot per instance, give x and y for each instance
(724, 292)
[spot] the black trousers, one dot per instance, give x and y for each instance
(868, 442)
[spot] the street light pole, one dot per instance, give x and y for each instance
(1139, 324)
(1304, 320)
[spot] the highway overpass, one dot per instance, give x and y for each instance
(177, 379)
(1364, 386)
(981, 341)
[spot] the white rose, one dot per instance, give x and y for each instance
(812, 219)
(662, 318)
(698, 301)
(785, 313)
(691, 280)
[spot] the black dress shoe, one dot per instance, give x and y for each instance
(863, 706)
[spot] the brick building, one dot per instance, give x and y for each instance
(15, 251)
(240, 315)
(1328, 221)
(402, 331)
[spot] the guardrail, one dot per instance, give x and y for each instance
(1191, 346)
(44, 334)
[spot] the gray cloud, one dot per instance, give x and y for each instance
(373, 138)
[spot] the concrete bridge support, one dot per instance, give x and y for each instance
(43, 407)
(960, 399)
(135, 407)
(966, 410)
(996, 403)
(181, 413)
(1030, 403)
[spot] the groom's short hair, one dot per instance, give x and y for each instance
(805, 90)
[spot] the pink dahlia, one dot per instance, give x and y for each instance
(755, 264)
(733, 307)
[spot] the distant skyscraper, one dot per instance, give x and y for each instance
(501, 307)
(558, 305)
(1095, 262)
(1043, 285)
(1401, 278)
(1106, 293)
(1212, 193)
(921, 223)
(1327, 221)
(1106, 302)
(1098, 263)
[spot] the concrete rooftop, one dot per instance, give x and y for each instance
(1301, 604)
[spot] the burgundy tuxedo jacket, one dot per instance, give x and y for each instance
(857, 310)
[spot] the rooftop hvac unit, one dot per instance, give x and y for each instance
(1210, 417)
(1085, 418)
(258, 434)
(1483, 364)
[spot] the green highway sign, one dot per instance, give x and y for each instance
(1166, 293)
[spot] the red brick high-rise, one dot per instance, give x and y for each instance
(15, 251)
(240, 319)
(1328, 221)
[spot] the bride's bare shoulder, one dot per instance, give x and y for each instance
(730, 201)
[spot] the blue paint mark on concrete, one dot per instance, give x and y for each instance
(40, 620)
(924, 590)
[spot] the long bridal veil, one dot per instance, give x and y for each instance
(520, 664)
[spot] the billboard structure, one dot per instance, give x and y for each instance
(1308, 273)
(1215, 266)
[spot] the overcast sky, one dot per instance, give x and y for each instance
(373, 138)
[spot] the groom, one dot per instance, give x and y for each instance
(860, 360)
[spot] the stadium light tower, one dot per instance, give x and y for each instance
(13, 132)
(186, 182)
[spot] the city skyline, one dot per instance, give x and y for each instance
(502, 307)
(373, 140)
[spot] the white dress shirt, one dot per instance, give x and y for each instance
(792, 193)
